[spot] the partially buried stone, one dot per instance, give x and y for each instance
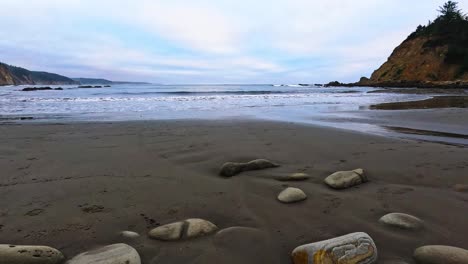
(346, 179)
(355, 248)
(404, 221)
(461, 187)
(230, 169)
(291, 195)
(112, 254)
(129, 234)
(437, 254)
(12, 254)
(294, 177)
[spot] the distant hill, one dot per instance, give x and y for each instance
(436, 52)
(11, 75)
(92, 81)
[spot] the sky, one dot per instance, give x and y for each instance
(209, 41)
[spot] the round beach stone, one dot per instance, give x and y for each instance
(167, 232)
(13, 254)
(355, 248)
(129, 234)
(404, 221)
(199, 227)
(346, 179)
(291, 195)
(294, 177)
(111, 254)
(440, 255)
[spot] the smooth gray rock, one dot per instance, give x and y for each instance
(168, 232)
(346, 179)
(292, 195)
(400, 220)
(190, 228)
(129, 234)
(356, 248)
(440, 255)
(112, 254)
(294, 177)
(230, 169)
(15, 254)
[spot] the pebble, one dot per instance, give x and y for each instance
(292, 195)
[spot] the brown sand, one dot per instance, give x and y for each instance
(76, 186)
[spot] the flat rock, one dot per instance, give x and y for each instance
(346, 179)
(404, 221)
(13, 254)
(112, 254)
(291, 195)
(230, 169)
(358, 248)
(440, 255)
(190, 228)
(168, 232)
(461, 187)
(129, 234)
(294, 177)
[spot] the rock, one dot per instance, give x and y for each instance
(460, 187)
(199, 227)
(112, 254)
(12, 254)
(346, 179)
(129, 234)
(230, 169)
(190, 228)
(291, 195)
(294, 177)
(30, 89)
(168, 232)
(440, 255)
(404, 221)
(358, 248)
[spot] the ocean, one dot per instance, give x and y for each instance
(125, 102)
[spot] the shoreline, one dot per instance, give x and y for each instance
(139, 175)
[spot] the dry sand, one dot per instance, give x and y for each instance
(76, 186)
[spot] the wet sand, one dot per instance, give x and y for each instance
(76, 186)
(434, 102)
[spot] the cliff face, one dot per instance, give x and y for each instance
(413, 60)
(437, 52)
(11, 75)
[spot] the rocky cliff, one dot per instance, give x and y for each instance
(11, 75)
(437, 52)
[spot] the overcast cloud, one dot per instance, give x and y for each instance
(218, 41)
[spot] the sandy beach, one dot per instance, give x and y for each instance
(76, 186)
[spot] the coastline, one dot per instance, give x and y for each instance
(143, 174)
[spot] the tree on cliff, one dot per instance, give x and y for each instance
(450, 11)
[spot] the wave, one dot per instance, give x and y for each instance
(188, 93)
